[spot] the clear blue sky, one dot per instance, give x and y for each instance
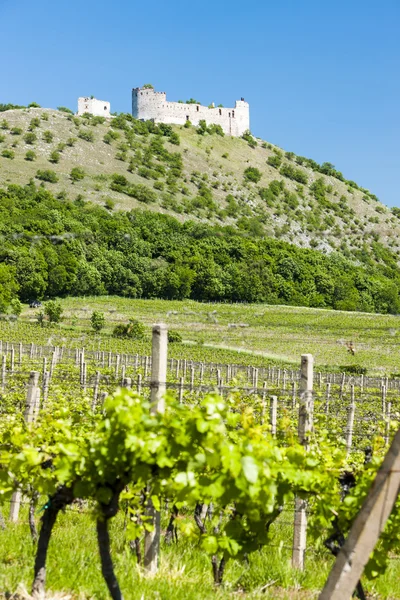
(322, 78)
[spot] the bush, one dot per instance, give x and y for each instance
(296, 174)
(97, 321)
(249, 139)
(47, 175)
(86, 135)
(34, 105)
(30, 155)
(48, 136)
(353, 369)
(274, 161)
(174, 138)
(77, 174)
(30, 138)
(187, 124)
(54, 157)
(65, 110)
(133, 330)
(35, 122)
(252, 174)
(174, 337)
(4, 124)
(53, 310)
(71, 141)
(109, 203)
(16, 131)
(8, 153)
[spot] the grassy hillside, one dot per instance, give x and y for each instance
(195, 176)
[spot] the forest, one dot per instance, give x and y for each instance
(56, 247)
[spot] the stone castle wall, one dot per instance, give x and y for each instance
(99, 108)
(147, 104)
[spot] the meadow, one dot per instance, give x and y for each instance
(255, 334)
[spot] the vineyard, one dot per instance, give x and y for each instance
(232, 484)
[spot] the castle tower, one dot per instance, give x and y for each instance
(147, 104)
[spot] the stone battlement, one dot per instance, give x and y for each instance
(148, 104)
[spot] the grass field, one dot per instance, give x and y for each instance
(185, 571)
(254, 334)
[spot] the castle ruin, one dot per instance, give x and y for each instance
(98, 108)
(147, 104)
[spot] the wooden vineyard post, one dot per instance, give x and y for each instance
(305, 426)
(350, 421)
(273, 413)
(157, 404)
(31, 410)
(367, 527)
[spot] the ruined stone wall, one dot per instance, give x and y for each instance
(99, 108)
(147, 104)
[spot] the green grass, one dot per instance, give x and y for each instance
(216, 332)
(185, 570)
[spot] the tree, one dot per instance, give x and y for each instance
(30, 155)
(97, 321)
(53, 310)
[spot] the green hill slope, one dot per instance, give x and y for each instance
(200, 177)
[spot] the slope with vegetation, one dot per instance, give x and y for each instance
(252, 223)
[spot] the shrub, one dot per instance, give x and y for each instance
(30, 138)
(16, 131)
(148, 86)
(47, 175)
(8, 154)
(274, 161)
(60, 147)
(54, 157)
(53, 310)
(174, 138)
(187, 124)
(295, 174)
(4, 124)
(97, 321)
(44, 117)
(77, 174)
(34, 105)
(174, 337)
(109, 203)
(48, 136)
(35, 122)
(252, 174)
(15, 307)
(65, 110)
(30, 155)
(71, 141)
(353, 369)
(249, 139)
(86, 135)
(2, 138)
(133, 330)
(225, 155)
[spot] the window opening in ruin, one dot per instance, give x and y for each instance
(86, 106)
(197, 107)
(220, 111)
(233, 113)
(187, 117)
(229, 114)
(105, 108)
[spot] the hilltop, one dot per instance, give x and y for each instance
(207, 181)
